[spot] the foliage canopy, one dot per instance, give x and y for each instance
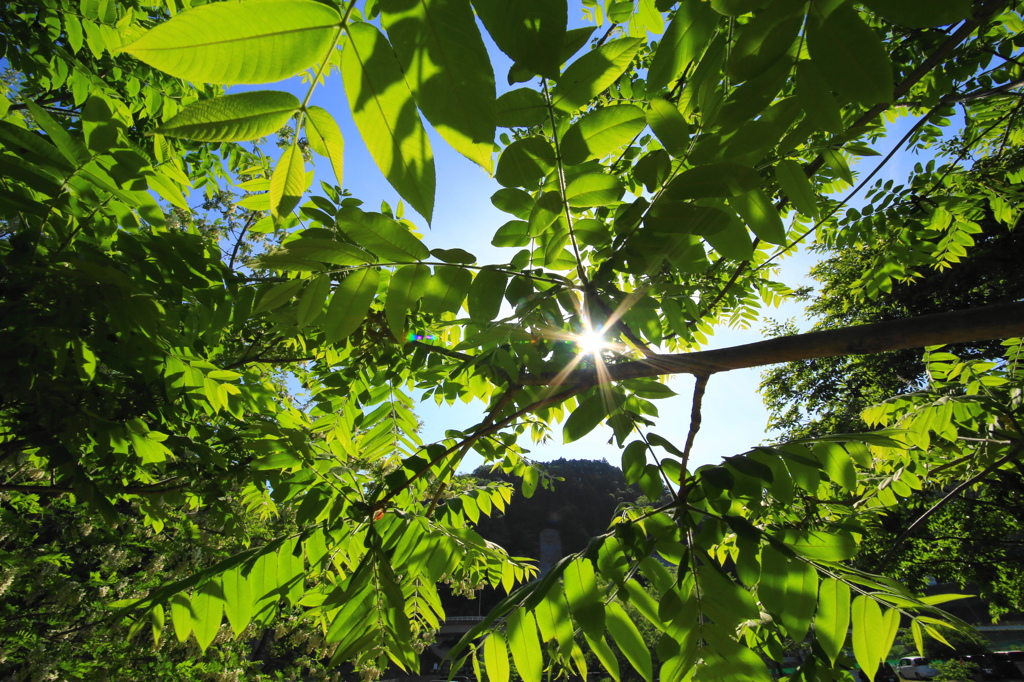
(654, 173)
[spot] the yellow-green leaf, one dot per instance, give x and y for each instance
(207, 612)
(387, 238)
(256, 41)
(325, 139)
(386, 115)
(685, 40)
(525, 645)
(793, 181)
(232, 118)
(407, 286)
(288, 182)
(238, 600)
(601, 132)
(832, 621)
(627, 637)
(350, 303)
(496, 658)
(446, 65)
(592, 73)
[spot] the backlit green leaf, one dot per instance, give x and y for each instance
(525, 645)
(207, 612)
(594, 189)
(629, 640)
(592, 73)
(230, 43)
(816, 98)
(245, 116)
(288, 182)
(486, 294)
(446, 65)
(387, 238)
(525, 162)
(832, 621)
(760, 215)
(600, 132)
(238, 600)
(529, 31)
(386, 114)
(325, 139)
(669, 127)
(446, 289)
(722, 179)
(851, 56)
(496, 658)
(685, 40)
(407, 286)
(349, 304)
(793, 181)
(521, 107)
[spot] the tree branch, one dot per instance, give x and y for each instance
(1014, 452)
(961, 326)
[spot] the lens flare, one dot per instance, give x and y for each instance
(591, 343)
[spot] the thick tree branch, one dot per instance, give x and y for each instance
(961, 326)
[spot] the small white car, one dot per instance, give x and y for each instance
(915, 668)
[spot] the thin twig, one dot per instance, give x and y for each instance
(1014, 452)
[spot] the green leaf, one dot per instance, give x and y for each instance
(512, 233)
(832, 621)
(288, 182)
(496, 658)
(723, 179)
(453, 255)
(851, 56)
(386, 115)
(446, 290)
(486, 294)
(669, 127)
(522, 639)
(922, 13)
(588, 414)
(591, 74)
(634, 458)
(732, 241)
(207, 612)
(794, 183)
(325, 139)
(408, 285)
(324, 250)
(377, 233)
(816, 99)
(311, 304)
(685, 40)
(238, 600)
(837, 464)
(349, 304)
(583, 596)
(604, 653)
(232, 43)
(513, 200)
(233, 118)
(760, 215)
(594, 189)
(181, 616)
(819, 545)
(521, 108)
(762, 41)
(870, 629)
(600, 132)
(525, 162)
(446, 65)
(629, 640)
(531, 32)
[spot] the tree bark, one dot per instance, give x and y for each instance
(961, 326)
